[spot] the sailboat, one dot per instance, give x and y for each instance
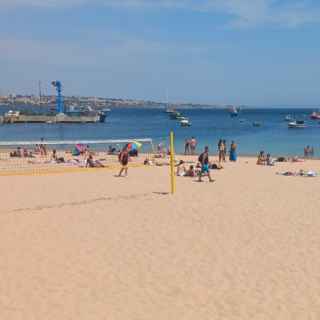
(233, 111)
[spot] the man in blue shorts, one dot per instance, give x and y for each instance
(205, 165)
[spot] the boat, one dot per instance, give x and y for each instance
(12, 117)
(185, 122)
(315, 115)
(233, 112)
(170, 110)
(175, 115)
(299, 124)
(256, 124)
(288, 118)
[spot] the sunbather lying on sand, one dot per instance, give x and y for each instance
(300, 173)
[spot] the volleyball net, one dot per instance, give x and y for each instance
(36, 157)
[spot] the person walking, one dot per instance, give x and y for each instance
(124, 159)
(205, 165)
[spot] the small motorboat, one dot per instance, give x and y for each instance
(299, 124)
(184, 122)
(315, 116)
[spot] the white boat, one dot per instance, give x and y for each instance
(233, 111)
(170, 110)
(296, 124)
(315, 115)
(12, 113)
(184, 122)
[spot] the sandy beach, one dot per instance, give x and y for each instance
(87, 245)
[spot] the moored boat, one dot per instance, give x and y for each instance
(184, 122)
(175, 115)
(297, 124)
(315, 115)
(233, 111)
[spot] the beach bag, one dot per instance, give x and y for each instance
(200, 159)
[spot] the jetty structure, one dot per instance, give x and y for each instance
(60, 115)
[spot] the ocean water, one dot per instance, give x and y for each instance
(208, 126)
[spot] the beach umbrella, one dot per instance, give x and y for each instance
(136, 145)
(80, 147)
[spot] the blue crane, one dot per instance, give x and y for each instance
(59, 97)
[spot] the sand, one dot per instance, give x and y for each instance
(92, 246)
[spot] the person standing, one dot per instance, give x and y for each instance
(225, 150)
(233, 152)
(193, 145)
(187, 147)
(221, 150)
(204, 161)
(124, 159)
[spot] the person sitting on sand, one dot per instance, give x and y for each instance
(204, 161)
(269, 160)
(261, 158)
(190, 172)
(181, 169)
(16, 153)
(55, 158)
(90, 163)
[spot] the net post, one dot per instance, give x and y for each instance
(172, 163)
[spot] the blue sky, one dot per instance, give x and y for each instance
(256, 52)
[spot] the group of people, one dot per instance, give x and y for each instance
(190, 146)
(21, 153)
(123, 158)
(265, 160)
(222, 151)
